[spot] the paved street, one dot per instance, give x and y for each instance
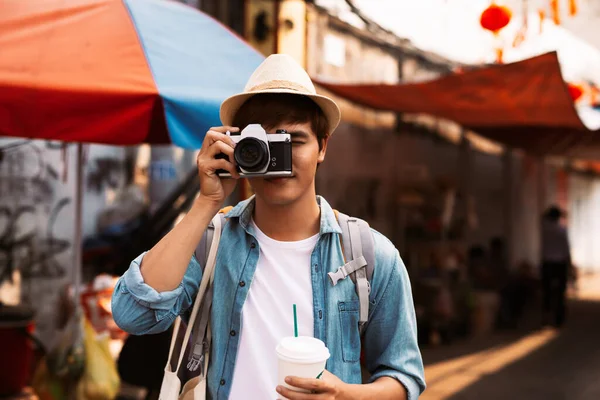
(535, 364)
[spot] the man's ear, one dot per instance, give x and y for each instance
(323, 151)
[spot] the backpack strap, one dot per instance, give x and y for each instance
(357, 247)
(203, 247)
(201, 341)
(202, 297)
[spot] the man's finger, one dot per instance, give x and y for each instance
(293, 395)
(224, 129)
(219, 147)
(214, 136)
(317, 385)
(211, 167)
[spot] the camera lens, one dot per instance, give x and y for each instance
(251, 154)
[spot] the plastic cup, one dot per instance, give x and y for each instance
(301, 356)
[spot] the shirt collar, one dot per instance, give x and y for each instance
(245, 209)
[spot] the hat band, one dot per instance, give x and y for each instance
(278, 84)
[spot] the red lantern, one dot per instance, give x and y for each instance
(495, 17)
(576, 91)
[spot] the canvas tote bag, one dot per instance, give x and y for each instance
(195, 388)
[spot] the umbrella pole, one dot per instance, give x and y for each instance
(78, 242)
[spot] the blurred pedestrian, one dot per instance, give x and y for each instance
(556, 262)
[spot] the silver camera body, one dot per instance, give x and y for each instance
(260, 154)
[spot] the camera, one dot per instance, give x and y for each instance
(260, 154)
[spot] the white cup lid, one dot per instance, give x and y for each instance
(303, 349)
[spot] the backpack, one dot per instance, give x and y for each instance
(358, 250)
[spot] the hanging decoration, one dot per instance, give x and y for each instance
(499, 55)
(575, 90)
(494, 19)
(522, 33)
(555, 11)
(552, 10)
(572, 7)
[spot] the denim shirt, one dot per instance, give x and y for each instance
(390, 336)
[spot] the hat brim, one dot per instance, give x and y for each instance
(231, 106)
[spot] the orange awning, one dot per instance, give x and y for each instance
(523, 105)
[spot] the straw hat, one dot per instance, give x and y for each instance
(280, 73)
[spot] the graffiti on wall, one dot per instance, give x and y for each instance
(105, 173)
(29, 210)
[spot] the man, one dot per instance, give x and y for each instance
(276, 250)
(556, 262)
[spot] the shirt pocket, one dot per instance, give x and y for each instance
(349, 316)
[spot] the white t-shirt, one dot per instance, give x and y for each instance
(282, 279)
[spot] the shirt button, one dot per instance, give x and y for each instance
(232, 333)
(242, 283)
(222, 382)
(253, 245)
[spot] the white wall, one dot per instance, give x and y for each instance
(584, 221)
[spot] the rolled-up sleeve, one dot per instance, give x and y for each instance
(140, 309)
(390, 342)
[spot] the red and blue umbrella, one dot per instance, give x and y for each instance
(116, 71)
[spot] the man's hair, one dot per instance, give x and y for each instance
(553, 213)
(272, 109)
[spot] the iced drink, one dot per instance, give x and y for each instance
(301, 356)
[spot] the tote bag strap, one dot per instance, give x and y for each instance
(206, 278)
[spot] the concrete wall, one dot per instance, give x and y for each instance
(336, 55)
(366, 171)
(37, 187)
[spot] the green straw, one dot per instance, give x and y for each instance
(295, 322)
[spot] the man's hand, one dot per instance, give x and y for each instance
(211, 186)
(329, 387)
